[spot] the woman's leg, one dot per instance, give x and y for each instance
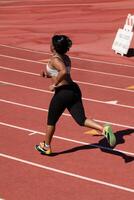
(56, 108)
(92, 124)
(45, 147)
(78, 113)
(49, 134)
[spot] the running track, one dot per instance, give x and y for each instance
(83, 166)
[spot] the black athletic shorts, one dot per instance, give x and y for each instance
(66, 96)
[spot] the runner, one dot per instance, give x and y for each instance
(67, 94)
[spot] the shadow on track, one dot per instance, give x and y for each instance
(130, 53)
(104, 146)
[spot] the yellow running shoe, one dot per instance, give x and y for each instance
(42, 149)
(108, 133)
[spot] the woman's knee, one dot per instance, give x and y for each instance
(81, 122)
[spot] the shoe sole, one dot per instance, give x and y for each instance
(110, 136)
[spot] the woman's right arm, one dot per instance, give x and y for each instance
(45, 75)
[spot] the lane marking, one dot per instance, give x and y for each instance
(67, 139)
(80, 82)
(22, 59)
(10, 1)
(26, 106)
(103, 86)
(112, 102)
(103, 62)
(44, 60)
(48, 5)
(33, 133)
(68, 173)
(47, 91)
(26, 87)
(103, 73)
(77, 58)
(74, 68)
(64, 114)
(2, 84)
(20, 71)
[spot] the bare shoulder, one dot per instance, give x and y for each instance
(56, 60)
(57, 63)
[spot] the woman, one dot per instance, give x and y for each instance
(67, 95)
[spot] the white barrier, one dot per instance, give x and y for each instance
(124, 36)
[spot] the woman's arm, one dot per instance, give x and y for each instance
(60, 66)
(45, 75)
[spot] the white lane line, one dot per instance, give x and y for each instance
(26, 87)
(23, 105)
(77, 58)
(64, 114)
(68, 173)
(67, 139)
(48, 5)
(2, 84)
(73, 68)
(103, 73)
(25, 49)
(33, 133)
(9, 1)
(102, 62)
(113, 102)
(20, 71)
(22, 59)
(80, 82)
(47, 91)
(103, 86)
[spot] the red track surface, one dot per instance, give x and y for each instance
(83, 166)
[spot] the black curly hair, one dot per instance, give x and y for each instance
(61, 43)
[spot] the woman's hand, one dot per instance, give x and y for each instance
(52, 87)
(45, 75)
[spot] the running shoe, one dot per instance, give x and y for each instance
(108, 133)
(42, 149)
